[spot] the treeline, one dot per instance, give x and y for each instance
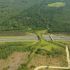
(37, 17)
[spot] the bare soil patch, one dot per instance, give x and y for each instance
(41, 60)
(13, 61)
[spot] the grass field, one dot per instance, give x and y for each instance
(28, 55)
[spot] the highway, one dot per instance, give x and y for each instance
(18, 38)
(32, 37)
(57, 37)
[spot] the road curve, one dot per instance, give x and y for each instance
(50, 67)
(68, 56)
(56, 67)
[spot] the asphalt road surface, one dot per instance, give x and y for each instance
(17, 38)
(57, 37)
(32, 37)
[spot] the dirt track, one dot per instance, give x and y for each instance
(56, 67)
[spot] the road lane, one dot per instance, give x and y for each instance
(18, 38)
(57, 37)
(31, 38)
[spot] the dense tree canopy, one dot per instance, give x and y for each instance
(28, 15)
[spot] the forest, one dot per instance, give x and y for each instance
(28, 34)
(29, 15)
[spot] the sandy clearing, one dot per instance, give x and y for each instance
(13, 61)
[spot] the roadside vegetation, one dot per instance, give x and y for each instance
(43, 49)
(8, 48)
(35, 15)
(39, 17)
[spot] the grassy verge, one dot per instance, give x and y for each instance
(7, 48)
(46, 48)
(43, 48)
